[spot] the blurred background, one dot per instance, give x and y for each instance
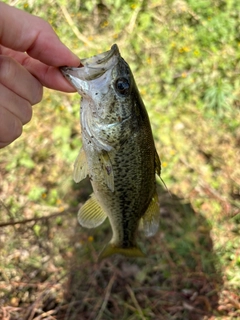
(185, 56)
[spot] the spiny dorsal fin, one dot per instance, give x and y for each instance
(107, 169)
(80, 170)
(157, 164)
(91, 214)
(150, 221)
(158, 169)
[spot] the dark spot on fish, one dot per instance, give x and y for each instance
(109, 170)
(96, 93)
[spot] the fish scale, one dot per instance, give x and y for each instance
(118, 152)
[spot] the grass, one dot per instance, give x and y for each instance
(185, 58)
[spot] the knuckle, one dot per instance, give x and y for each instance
(7, 69)
(17, 129)
(38, 94)
(46, 25)
(27, 113)
(35, 96)
(20, 80)
(10, 127)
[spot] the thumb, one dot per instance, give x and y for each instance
(24, 32)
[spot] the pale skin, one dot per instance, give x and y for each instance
(30, 54)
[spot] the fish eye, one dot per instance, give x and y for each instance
(122, 86)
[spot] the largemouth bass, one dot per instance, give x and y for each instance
(118, 152)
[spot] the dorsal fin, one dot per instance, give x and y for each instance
(158, 169)
(150, 221)
(157, 163)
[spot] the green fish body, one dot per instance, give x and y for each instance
(118, 152)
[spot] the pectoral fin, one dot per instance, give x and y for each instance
(107, 169)
(91, 214)
(150, 221)
(80, 167)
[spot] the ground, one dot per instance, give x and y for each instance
(185, 59)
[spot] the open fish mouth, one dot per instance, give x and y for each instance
(93, 67)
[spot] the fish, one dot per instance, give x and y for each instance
(118, 153)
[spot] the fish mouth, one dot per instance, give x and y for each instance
(93, 67)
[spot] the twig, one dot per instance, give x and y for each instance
(48, 314)
(71, 23)
(106, 298)
(37, 303)
(12, 223)
(137, 306)
(7, 310)
(134, 17)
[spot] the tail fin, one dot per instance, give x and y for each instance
(110, 249)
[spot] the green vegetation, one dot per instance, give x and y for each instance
(185, 57)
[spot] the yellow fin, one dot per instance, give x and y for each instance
(110, 249)
(107, 169)
(157, 164)
(150, 221)
(80, 167)
(91, 214)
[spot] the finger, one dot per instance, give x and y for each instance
(10, 127)
(16, 78)
(49, 77)
(33, 35)
(18, 106)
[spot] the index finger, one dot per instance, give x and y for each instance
(24, 32)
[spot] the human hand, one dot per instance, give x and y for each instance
(30, 54)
